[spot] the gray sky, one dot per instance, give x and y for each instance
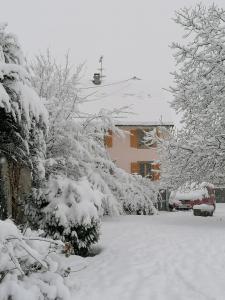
(133, 35)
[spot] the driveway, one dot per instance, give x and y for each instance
(167, 256)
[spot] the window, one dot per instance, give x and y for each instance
(140, 136)
(147, 169)
(137, 138)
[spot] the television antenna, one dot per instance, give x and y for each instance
(97, 78)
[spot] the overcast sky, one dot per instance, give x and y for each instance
(133, 35)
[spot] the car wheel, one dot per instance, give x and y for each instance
(170, 208)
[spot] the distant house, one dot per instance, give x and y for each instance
(129, 151)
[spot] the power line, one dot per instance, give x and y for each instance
(109, 84)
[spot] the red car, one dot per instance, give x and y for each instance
(200, 198)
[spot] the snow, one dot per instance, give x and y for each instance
(204, 207)
(7, 228)
(76, 202)
(135, 95)
(15, 78)
(128, 122)
(170, 256)
(29, 105)
(192, 195)
(190, 192)
(4, 99)
(13, 71)
(20, 253)
(164, 257)
(32, 104)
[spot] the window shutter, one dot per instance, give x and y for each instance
(155, 171)
(108, 139)
(135, 168)
(156, 166)
(155, 176)
(133, 138)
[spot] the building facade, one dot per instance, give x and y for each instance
(131, 154)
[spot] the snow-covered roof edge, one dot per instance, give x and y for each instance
(137, 123)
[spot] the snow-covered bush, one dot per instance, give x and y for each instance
(30, 266)
(132, 193)
(140, 196)
(72, 213)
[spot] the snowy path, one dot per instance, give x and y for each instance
(170, 256)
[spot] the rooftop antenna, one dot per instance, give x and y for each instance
(101, 68)
(97, 78)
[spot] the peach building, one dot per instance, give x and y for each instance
(130, 153)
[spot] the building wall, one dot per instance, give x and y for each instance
(123, 154)
(15, 186)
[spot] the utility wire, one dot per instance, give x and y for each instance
(113, 83)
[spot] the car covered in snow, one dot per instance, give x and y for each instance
(199, 197)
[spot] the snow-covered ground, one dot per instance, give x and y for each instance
(170, 256)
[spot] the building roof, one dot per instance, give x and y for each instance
(144, 124)
(134, 96)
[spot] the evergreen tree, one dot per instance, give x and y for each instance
(23, 117)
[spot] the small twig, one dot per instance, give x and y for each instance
(79, 269)
(14, 260)
(59, 243)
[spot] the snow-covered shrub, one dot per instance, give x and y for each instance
(140, 195)
(128, 193)
(72, 213)
(30, 266)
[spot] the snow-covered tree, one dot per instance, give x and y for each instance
(21, 108)
(23, 117)
(197, 151)
(68, 206)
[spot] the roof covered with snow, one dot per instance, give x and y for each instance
(139, 123)
(134, 96)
